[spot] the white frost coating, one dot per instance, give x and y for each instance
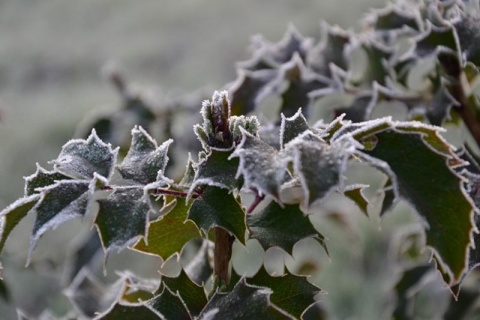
(218, 101)
(72, 210)
(18, 203)
(138, 132)
(284, 120)
(210, 314)
(73, 150)
(246, 168)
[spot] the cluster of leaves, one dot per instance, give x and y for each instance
(293, 165)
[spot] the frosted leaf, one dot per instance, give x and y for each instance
(189, 174)
(217, 169)
(191, 293)
(144, 161)
(379, 63)
(262, 167)
(281, 227)
(330, 51)
(301, 82)
(354, 193)
(82, 158)
(122, 218)
(11, 216)
(293, 294)
(169, 233)
(250, 124)
(292, 43)
(319, 166)
(217, 207)
(250, 89)
(169, 304)
(420, 174)
(436, 39)
(59, 203)
(243, 302)
(393, 18)
(292, 127)
(42, 178)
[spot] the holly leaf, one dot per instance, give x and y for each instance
(59, 203)
(379, 63)
(168, 234)
(243, 302)
(435, 40)
(250, 88)
(319, 166)
(293, 294)
(421, 175)
(330, 51)
(300, 84)
(145, 160)
(292, 43)
(354, 193)
(169, 305)
(262, 166)
(199, 268)
(129, 311)
(40, 179)
(281, 227)
(292, 127)
(85, 293)
(83, 158)
(217, 207)
(13, 214)
(122, 218)
(393, 18)
(192, 294)
(218, 170)
(468, 32)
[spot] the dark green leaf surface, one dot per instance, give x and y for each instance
(145, 159)
(425, 180)
(169, 305)
(82, 158)
(262, 167)
(192, 294)
(355, 194)
(217, 207)
(122, 218)
(243, 302)
(124, 311)
(292, 127)
(301, 83)
(330, 51)
(42, 178)
(291, 293)
(59, 203)
(249, 89)
(392, 18)
(217, 170)
(435, 39)
(378, 63)
(13, 214)
(167, 235)
(280, 227)
(199, 268)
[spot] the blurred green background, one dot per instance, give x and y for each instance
(51, 57)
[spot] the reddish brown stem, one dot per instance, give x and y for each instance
(222, 254)
(176, 193)
(256, 201)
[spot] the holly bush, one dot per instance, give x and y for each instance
(349, 164)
